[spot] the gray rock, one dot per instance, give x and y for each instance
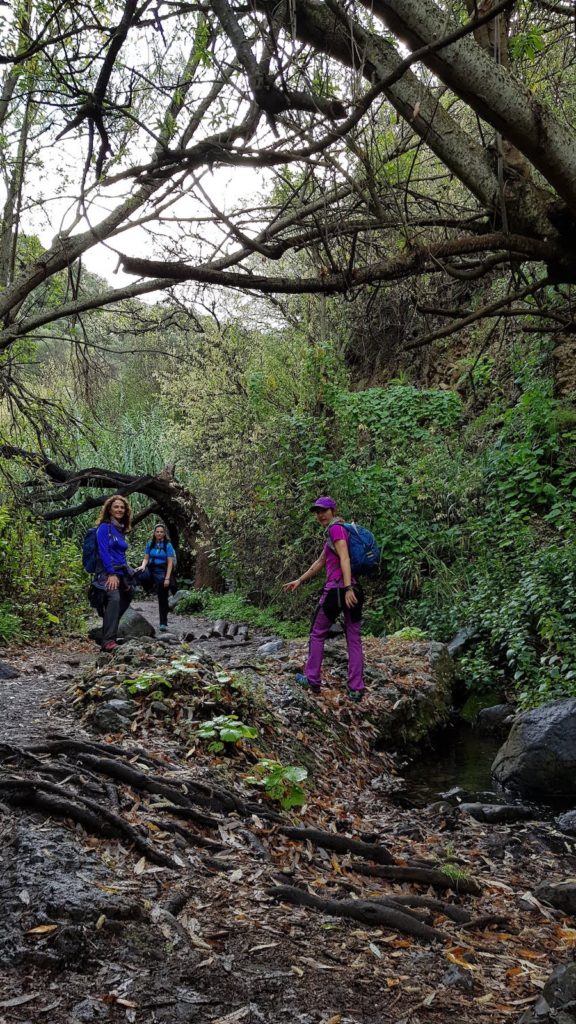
(495, 719)
(113, 715)
(160, 708)
(123, 707)
(132, 625)
(7, 672)
(498, 813)
(458, 977)
(539, 756)
(558, 1000)
(115, 692)
(567, 823)
(174, 599)
(462, 640)
(90, 1010)
(561, 895)
(272, 647)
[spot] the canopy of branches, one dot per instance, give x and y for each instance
(428, 139)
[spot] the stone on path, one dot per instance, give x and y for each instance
(561, 895)
(113, 715)
(556, 1004)
(567, 822)
(132, 624)
(272, 647)
(7, 672)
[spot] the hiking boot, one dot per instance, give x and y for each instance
(305, 683)
(355, 695)
(110, 647)
(163, 629)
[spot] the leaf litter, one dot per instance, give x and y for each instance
(151, 925)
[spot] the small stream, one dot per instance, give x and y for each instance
(460, 756)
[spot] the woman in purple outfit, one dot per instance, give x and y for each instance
(340, 593)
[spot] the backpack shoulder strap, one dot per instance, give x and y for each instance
(335, 522)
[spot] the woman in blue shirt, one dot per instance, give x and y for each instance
(113, 579)
(160, 558)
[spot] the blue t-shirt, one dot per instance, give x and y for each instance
(158, 555)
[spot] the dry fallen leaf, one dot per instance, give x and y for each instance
(139, 866)
(42, 929)
(458, 960)
(18, 1000)
(231, 1018)
(100, 922)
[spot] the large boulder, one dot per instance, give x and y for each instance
(539, 757)
(411, 685)
(132, 624)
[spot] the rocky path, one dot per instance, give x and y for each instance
(143, 879)
(31, 700)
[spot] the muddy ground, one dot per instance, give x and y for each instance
(183, 918)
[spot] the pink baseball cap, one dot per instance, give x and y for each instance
(325, 501)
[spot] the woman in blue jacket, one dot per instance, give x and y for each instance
(113, 578)
(160, 559)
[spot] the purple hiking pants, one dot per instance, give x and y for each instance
(319, 632)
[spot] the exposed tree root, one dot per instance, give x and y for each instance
(342, 844)
(457, 914)
(365, 911)
(191, 837)
(485, 920)
(427, 876)
(58, 744)
(97, 819)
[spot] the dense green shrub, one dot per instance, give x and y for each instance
(42, 585)
(475, 516)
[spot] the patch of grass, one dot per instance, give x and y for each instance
(409, 633)
(235, 608)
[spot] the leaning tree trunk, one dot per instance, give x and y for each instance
(170, 501)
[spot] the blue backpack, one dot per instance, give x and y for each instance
(363, 548)
(90, 556)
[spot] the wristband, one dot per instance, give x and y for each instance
(350, 587)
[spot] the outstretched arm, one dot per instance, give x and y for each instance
(314, 569)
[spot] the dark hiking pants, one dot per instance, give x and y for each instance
(115, 604)
(163, 595)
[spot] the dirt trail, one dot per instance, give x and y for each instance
(183, 923)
